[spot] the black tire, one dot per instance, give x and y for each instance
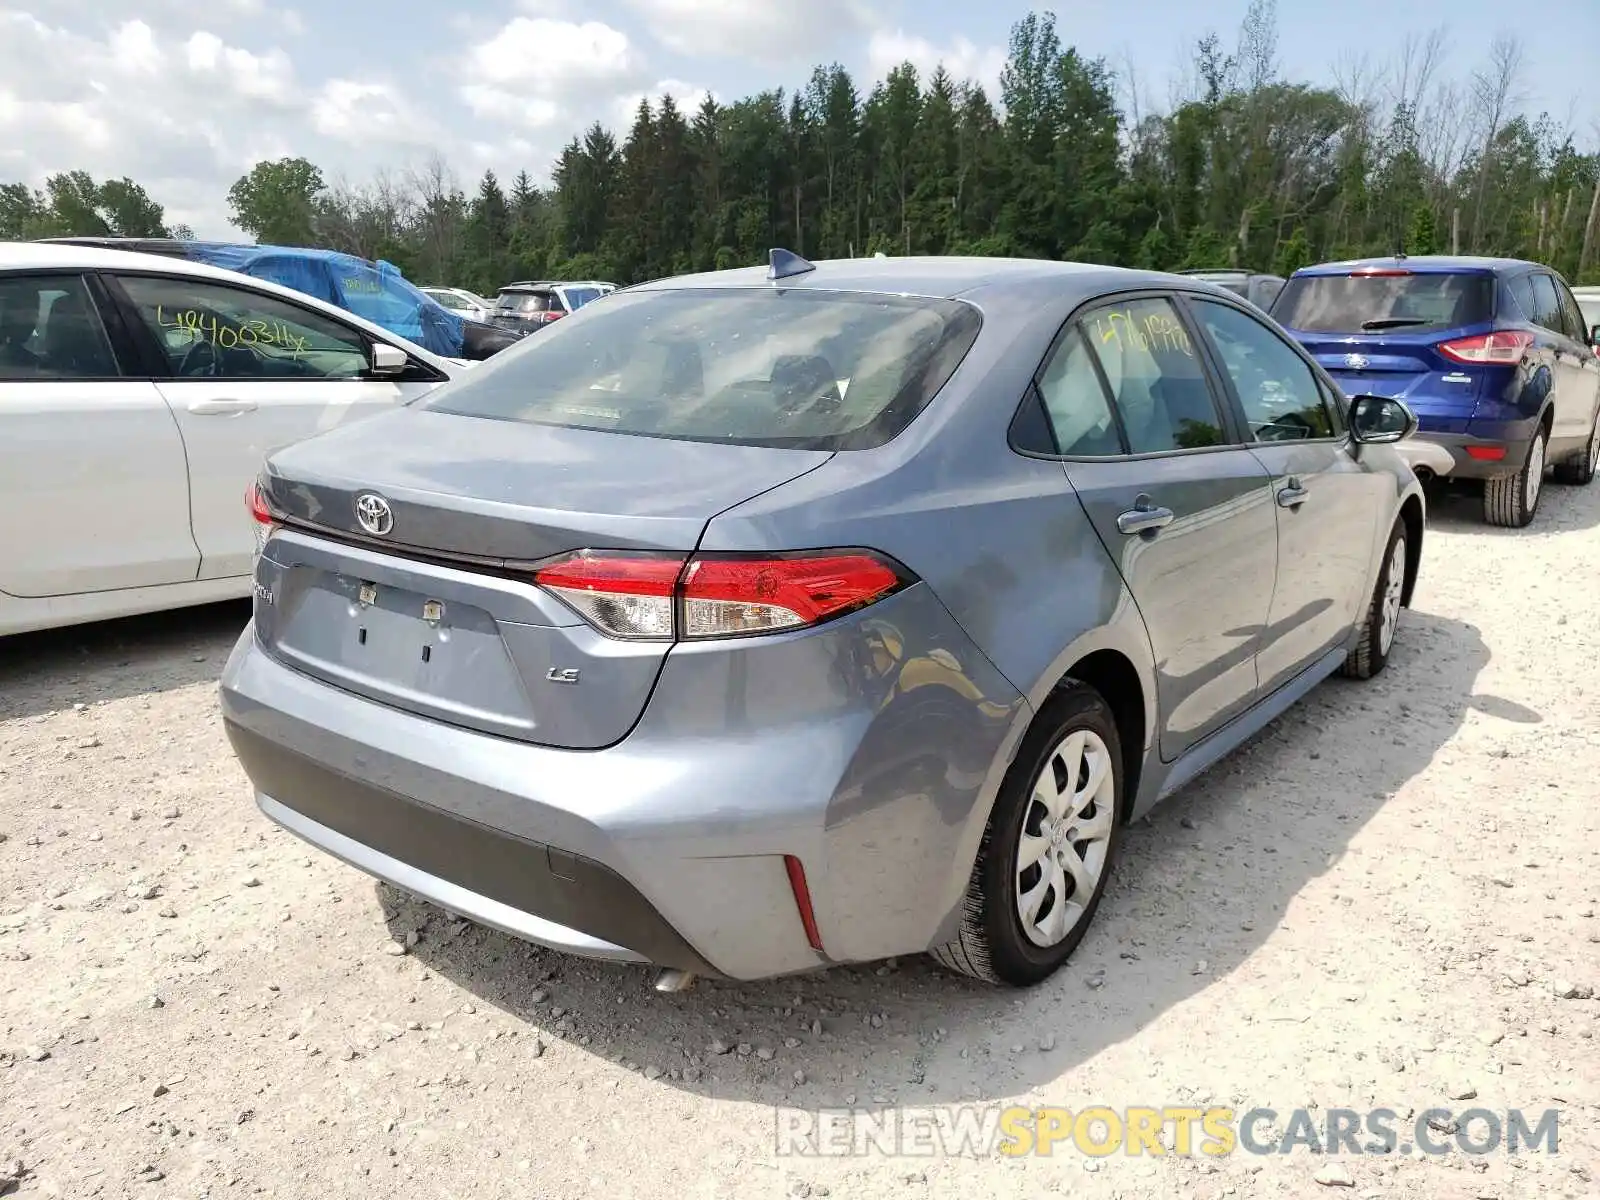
(991, 944)
(1580, 470)
(1370, 654)
(1505, 500)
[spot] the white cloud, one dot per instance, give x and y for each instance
(544, 55)
(267, 76)
(962, 58)
(183, 111)
(766, 30)
(354, 111)
(687, 96)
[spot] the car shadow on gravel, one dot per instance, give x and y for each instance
(1200, 886)
(112, 660)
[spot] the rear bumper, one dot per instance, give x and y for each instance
(1452, 454)
(418, 847)
(869, 749)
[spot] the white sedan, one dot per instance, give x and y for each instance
(461, 302)
(139, 396)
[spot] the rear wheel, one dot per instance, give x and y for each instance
(1371, 653)
(1512, 500)
(1581, 470)
(1047, 852)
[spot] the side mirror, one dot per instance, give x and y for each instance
(1380, 419)
(1594, 335)
(388, 361)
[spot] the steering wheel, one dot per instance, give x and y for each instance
(1290, 427)
(194, 363)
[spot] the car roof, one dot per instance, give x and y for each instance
(938, 277)
(1422, 264)
(67, 256)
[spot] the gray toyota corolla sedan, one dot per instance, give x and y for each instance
(756, 621)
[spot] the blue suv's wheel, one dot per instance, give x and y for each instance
(1512, 499)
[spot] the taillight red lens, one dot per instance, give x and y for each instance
(1502, 347)
(659, 597)
(723, 597)
(261, 518)
(257, 506)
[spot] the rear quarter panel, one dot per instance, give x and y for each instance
(1000, 539)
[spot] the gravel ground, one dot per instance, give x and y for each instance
(1387, 900)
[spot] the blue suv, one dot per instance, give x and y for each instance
(1490, 354)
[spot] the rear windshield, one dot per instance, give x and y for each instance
(524, 302)
(804, 369)
(1239, 285)
(1374, 303)
(577, 297)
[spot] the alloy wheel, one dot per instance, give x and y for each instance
(1066, 837)
(1393, 586)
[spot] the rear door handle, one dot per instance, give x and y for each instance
(1143, 517)
(213, 408)
(1292, 495)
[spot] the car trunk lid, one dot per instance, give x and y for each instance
(435, 610)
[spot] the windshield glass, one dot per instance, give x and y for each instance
(1353, 303)
(804, 369)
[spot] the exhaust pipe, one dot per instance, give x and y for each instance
(674, 981)
(1424, 474)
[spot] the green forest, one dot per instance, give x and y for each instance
(1242, 167)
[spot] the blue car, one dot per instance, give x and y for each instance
(1492, 355)
(376, 291)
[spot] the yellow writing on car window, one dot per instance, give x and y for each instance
(204, 327)
(357, 284)
(1154, 332)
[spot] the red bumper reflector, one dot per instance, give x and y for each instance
(1486, 453)
(802, 900)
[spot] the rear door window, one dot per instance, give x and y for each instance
(1075, 402)
(1154, 376)
(50, 329)
(802, 368)
(1375, 302)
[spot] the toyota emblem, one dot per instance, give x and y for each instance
(374, 513)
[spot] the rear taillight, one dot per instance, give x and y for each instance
(620, 594)
(261, 518)
(661, 597)
(1503, 347)
(1378, 273)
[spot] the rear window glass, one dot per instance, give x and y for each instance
(524, 302)
(799, 368)
(578, 297)
(1239, 285)
(1373, 303)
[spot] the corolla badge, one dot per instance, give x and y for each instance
(374, 513)
(1356, 362)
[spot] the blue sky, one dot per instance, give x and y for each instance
(185, 97)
